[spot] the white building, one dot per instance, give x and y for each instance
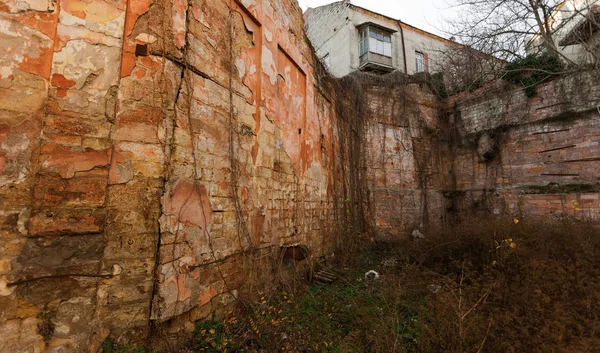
(576, 31)
(348, 38)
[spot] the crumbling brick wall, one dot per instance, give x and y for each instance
(150, 153)
(403, 158)
(528, 157)
(489, 153)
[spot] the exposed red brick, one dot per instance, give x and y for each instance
(54, 191)
(59, 80)
(66, 162)
(66, 221)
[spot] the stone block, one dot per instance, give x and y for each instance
(53, 191)
(48, 291)
(66, 221)
(143, 124)
(70, 126)
(60, 256)
(67, 162)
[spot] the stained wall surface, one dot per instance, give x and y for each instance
(404, 160)
(529, 157)
(146, 148)
(489, 153)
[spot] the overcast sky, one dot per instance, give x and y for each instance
(424, 14)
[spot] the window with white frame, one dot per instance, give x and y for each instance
(375, 41)
(420, 62)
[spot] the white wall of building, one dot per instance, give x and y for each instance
(332, 30)
(570, 14)
(329, 34)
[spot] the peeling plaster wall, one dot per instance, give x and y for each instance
(120, 125)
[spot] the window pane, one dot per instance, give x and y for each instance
(372, 45)
(420, 64)
(362, 48)
(372, 33)
(387, 49)
(387, 39)
(380, 36)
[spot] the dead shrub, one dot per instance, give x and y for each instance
(482, 286)
(509, 286)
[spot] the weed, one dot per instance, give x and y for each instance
(532, 71)
(486, 286)
(110, 346)
(46, 327)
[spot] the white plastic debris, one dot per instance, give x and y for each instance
(372, 274)
(434, 288)
(417, 235)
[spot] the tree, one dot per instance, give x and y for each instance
(539, 38)
(510, 29)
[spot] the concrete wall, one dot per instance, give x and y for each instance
(432, 46)
(584, 54)
(143, 150)
(331, 36)
(567, 16)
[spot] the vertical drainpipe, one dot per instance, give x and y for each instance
(403, 46)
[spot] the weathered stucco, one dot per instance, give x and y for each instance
(332, 30)
(144, 147)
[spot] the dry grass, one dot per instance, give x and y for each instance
(507, 287)
(486, 286)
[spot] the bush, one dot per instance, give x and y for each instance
(532, 70)
(514, 288)
(110, 346)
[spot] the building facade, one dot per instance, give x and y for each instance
(347, 38)
(575, 26)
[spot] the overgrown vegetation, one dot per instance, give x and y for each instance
(532, 71)
(110, 346)
(45, 326)
(364, 103)
(485, 286)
